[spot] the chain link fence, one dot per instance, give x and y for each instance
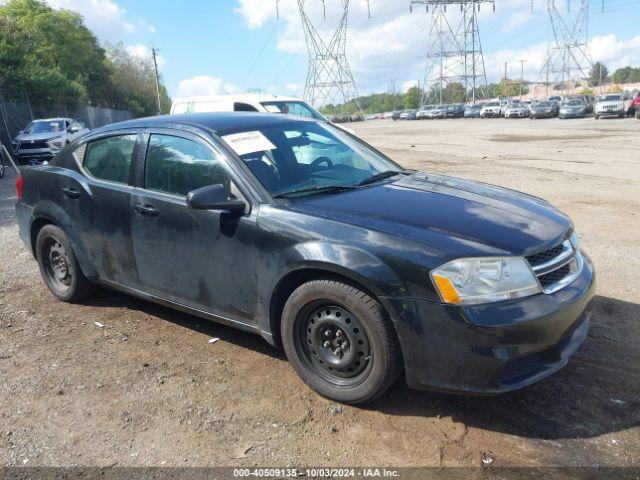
(15, 116)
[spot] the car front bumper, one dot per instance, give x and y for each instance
(25, 156)
(603, 113)
(572, 114)
(492, 348)
(490, 114)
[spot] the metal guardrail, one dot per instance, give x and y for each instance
(8, 159)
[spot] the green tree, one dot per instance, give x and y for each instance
(626, 75)
(50, 54)
(412, 97)
(598, 74)
(135, 83)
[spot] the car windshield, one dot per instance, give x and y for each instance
(574, 103)
(493, 104)
(609, 98)
(301, 109)
(473, 107)
(294, 156)
(45, 126)
(544, 104)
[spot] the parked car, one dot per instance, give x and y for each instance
(409, 114)
(422, 112)
(516, 110)
(396, 114)
(543, 110)
(610, 104)
(350, 262)
(573, 108)
(635, 105)
(491, 109)
(42, 139)
(555, 98)
(438, 111)
(472, 111)
(455, 110)
(246, 102)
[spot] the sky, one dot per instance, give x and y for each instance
(231, 46)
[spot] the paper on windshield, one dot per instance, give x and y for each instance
(248, 142)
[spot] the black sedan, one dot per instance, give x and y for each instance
(300, 232)
(543, 110)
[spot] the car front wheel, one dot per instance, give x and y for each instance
(340, 341)
(59, 267)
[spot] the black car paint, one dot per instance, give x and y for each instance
(385, 237)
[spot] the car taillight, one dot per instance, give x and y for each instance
(19, 187)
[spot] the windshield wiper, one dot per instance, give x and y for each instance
(382, 176)
(314, 190)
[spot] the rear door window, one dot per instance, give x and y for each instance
(110, 158)
(176, 165)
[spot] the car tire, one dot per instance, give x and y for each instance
(59, 267)
(340, 341)
(596, 117)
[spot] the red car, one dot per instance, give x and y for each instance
(635, 105)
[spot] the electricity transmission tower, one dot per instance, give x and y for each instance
(568, 58)
(454, 50)
(329, 79)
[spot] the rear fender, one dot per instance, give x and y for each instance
(52, 213)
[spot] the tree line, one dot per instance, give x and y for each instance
(48, 57)
(450, 93)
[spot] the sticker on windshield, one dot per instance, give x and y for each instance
(248, 142)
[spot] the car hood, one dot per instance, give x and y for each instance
(419, 206)
(27, 137)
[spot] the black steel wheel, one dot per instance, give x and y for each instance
(333, 343)
(59, 267)
(340, 341)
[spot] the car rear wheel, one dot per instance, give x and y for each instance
(340, 341)
(59, 267)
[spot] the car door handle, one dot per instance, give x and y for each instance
(71, 192)
(146, 210)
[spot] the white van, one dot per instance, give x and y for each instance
(246, 103)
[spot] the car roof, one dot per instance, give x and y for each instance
(214, 121)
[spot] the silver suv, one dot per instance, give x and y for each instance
(42, 139)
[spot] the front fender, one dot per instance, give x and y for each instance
(350, 262)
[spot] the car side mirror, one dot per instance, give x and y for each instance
(215, 197)
(74, 129)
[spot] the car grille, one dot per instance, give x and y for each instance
(538, 258)
(33, 145)
(556, 267)
(521, 368)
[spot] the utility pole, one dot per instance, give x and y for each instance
(329, 78)
(504, 88)
(454, 49)
(568, 57)
(522, 62)
(154, 53)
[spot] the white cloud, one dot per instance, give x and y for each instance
(203, 85)
(409, 84)
(105, 18)
(256, 12)
(142, 51)
(294, 88)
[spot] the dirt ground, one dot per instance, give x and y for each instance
(148, 389)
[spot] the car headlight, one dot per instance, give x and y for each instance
(472, 281)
